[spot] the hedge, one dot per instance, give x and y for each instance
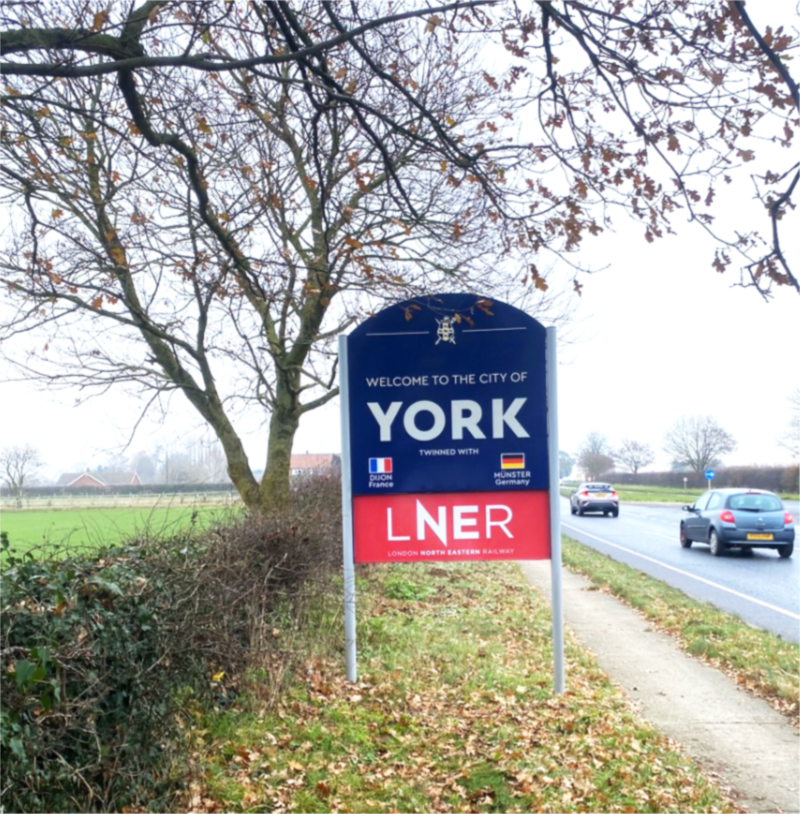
(99, 652)
(773, 478)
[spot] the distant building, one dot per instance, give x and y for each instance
(308, 465)
(104, 480)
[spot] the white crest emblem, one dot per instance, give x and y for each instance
(445, 332)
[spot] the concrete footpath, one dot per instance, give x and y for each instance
(754, 749)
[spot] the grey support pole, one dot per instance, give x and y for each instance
(347, 520)
(555, 511)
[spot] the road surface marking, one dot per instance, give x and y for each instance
(685, 573)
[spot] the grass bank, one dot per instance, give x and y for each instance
(762, 663)
(453, 711)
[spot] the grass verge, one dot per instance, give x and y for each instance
(761, 662)
(454, 711)
(659, 494)
(644, 494)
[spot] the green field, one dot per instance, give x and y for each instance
(93, 528)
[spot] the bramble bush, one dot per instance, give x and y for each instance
(86, 679)
(97, 650)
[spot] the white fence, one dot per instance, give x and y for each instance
(105, 501)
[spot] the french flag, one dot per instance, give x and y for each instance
(380, 466)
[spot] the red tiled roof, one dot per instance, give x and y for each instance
(311, 461)
(104, 479)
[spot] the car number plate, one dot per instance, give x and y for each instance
(599, 494)
(759, 536)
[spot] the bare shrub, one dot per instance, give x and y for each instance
(255, 577)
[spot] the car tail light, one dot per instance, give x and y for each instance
(727, 517)
(788, 519)
(613, 494)
(585, 494)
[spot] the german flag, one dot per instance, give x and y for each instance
(512, 460)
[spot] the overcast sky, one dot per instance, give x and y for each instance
(658, 334)
(665, 336)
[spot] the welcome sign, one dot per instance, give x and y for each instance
(448, 432)
(449, 442)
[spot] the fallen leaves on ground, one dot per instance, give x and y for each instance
(454, 711)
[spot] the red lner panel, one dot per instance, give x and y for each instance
(452, 526)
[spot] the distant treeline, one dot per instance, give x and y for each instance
(145, 489)
(774, 478)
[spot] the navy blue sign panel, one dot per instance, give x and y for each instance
(448, 394)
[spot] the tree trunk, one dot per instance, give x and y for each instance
(275, 490)
(239, 470)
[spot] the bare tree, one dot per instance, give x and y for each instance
(634, 455)
(144, 465)
(774, 189)
(594, 455)
(18, 467)
(565, 464)
(697, 441)
(220, 231)
(207, 193)
(791, 438)
(215, 468)
(195, 460)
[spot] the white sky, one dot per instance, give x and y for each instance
(660, 335)
(664, 336)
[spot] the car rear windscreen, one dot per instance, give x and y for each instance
(756, 503)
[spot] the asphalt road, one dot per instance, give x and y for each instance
(762, 589)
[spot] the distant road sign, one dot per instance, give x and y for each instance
(710, 474)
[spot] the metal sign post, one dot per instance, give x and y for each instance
(555, 513)
(347, 519)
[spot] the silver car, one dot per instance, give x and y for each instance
(594, 497)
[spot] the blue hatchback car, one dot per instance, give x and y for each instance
(742, 518)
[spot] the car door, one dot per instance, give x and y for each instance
(708, 513)
(693, 521)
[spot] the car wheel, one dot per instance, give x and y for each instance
(717, 546)
(615, 512)
(685, 541)
(785, 551)
(580, 511)
(572, 509)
